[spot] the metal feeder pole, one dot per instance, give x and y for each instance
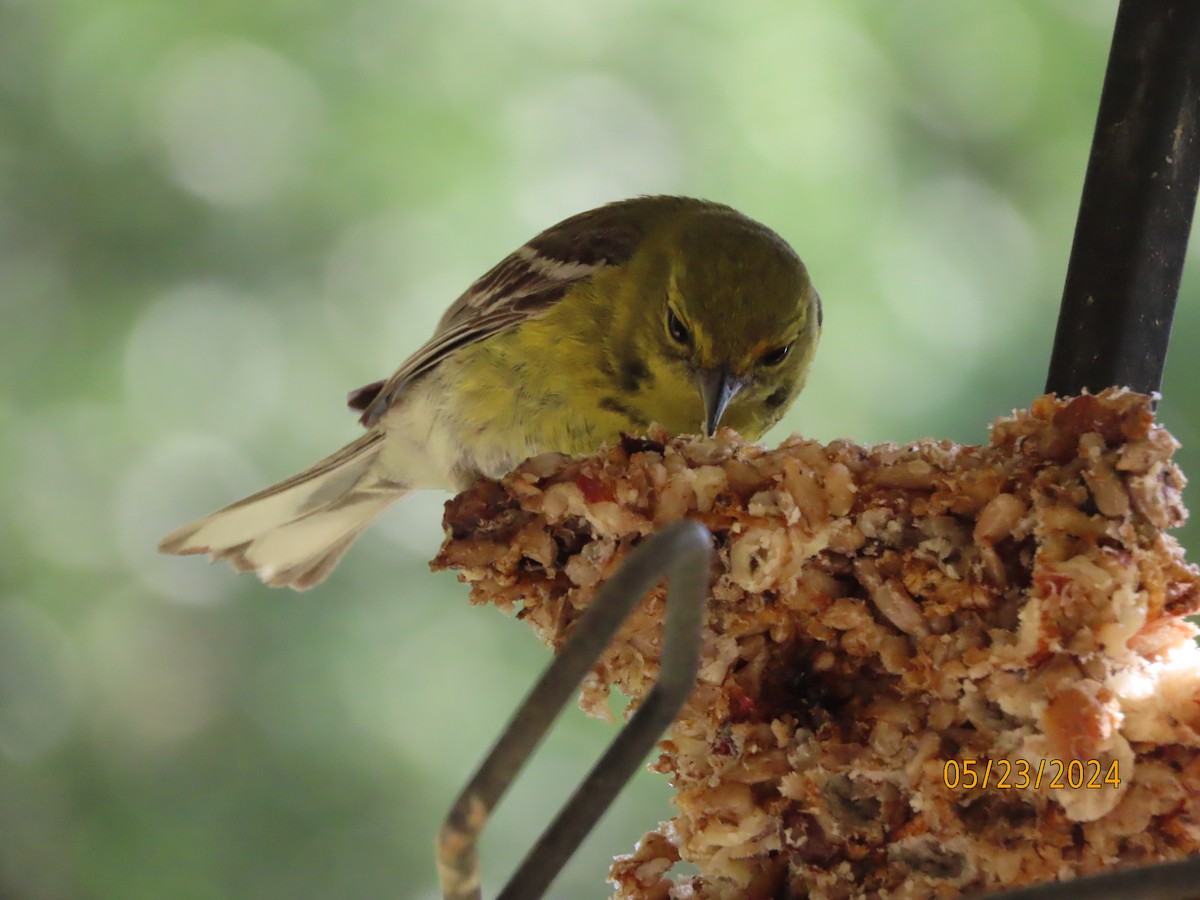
(1136, 211)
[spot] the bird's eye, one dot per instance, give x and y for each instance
(677, 330)
(776, 356)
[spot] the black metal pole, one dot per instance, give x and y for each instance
(1136, 211)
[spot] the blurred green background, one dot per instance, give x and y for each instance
(218, 217)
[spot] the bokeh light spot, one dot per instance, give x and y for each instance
(237, 122)
(956, 268)
(178, 477)
(386, 285)
(975, 68)
(204, 357)
(821, 128)
(585, 140)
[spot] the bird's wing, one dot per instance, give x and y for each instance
(524, 284)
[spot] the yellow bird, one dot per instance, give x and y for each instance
(657, 309)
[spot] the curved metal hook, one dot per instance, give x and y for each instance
(681, 552)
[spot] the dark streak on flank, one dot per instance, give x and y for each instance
(820, 312)
(612, 404)
(778, 398)
(633, 374)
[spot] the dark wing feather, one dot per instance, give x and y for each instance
(562, 254)
(524, 284)
(363, 397)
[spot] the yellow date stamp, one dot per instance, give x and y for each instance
(1024, 774)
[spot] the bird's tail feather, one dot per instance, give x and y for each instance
(294, 533)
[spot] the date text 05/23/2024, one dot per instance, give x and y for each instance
(1024, 774)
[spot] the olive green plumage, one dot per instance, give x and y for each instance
(657, 309)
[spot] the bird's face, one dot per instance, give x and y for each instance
(736, 330)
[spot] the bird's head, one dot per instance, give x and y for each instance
(728, 323)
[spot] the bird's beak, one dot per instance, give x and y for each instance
(717, 388)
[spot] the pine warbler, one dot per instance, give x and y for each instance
(656, 309)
